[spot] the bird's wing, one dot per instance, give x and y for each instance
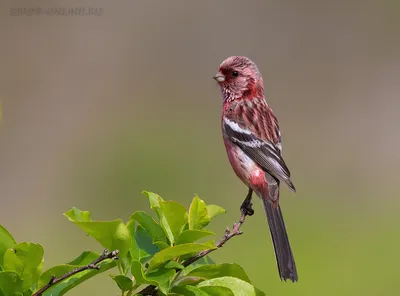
(266, 154)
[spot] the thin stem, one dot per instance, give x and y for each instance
(227, 236)
(120, 268)
(93, 265)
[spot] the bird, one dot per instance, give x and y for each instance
(253, 143)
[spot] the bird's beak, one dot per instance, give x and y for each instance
(219, 77)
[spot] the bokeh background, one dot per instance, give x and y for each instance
(98, 108)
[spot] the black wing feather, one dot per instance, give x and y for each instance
(265, 154)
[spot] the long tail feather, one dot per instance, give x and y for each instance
(283, 252)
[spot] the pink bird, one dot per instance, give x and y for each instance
(253, 144)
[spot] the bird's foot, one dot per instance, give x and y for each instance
(247, 208)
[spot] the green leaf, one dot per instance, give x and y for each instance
(173, 217)
(214, 210)
(6, 242)
(206, 260)
(10, 283)
(176, 251)
(76, 215)
(145, 243)
(138, 274)
(217, 291)
(237, 286)
(184, 281)
(154, 199)
(123, 282)
(25, 259)
(189, 291)
(220, 270)
(124, 263)
(134, 249)
(152, 227)
(205, 269)
(198, 215)
(204, 291)
(161, 245)
(161, 278)
(190, 236)
(210, 243)
(174, 265)
(73, 281)
(112, 235)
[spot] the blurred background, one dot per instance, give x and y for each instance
(99, 107)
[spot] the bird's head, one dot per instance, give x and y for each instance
(238, 77)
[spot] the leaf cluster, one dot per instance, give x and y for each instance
(152, 253)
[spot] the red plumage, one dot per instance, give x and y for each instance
(254, 114)
(253, 144)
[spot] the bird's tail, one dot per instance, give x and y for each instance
(283, 252)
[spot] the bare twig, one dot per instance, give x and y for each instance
(227, 236)
(93, 265)
(151, 290)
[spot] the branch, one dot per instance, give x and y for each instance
(93, 265)
(151, 290)
(227, 236)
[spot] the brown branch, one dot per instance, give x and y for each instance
(151, 290)
(227, 236)
(93, 265)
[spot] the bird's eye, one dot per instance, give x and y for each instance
(235, 73)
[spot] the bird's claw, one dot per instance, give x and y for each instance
(247, 209)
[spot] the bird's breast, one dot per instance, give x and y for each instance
(245, 168)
